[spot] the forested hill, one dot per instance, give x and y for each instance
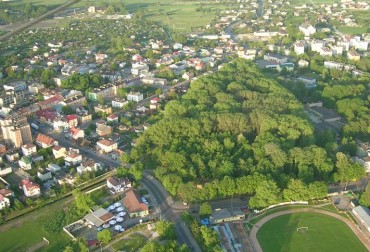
(232, 132)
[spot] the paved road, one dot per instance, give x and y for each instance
(168, 212)
(351, 225)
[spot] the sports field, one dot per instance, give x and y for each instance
(324, 234)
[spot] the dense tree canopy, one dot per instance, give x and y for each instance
(233, 132)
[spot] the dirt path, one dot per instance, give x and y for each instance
(257, 226)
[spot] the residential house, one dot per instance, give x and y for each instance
(188, 76)
(46, 116)
(105, 91)
(154, 81)
(74, 101)
(333, 65)
(4, 202)
(103, 109)
(30, 188)
(45, 141)
(59, 151)
(12, 155)
(139, 68)
(134, 204)
(25, 163)
(28, 149)
(103, 130)
(308, 82)
(77, 133)
(117, 185)
(278, 58)
(54, 168)
(88, 166)
(51, 102)
(44, 175)
(307, 29)
(154, 103)
(316, 45)
(299, 47)
(135, 96)
(113, 118)
(353, 55)
(72, 120)
(73, 158)
(303, 63)
(106, 146)
(119, 102)
(326, 52)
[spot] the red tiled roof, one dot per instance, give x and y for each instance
(52, 100)
(133, 203)
(47, 114)
(41, 138)
(29, 184)
(113, 116)
(106, 142)
(5, 192)
(71, 117)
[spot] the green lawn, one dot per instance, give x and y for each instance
(353, 30)
(132, 244)
(29, 234)
(324, 234)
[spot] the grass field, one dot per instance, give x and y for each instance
(178, 15)
(29, 234)
(353, 30)
(324, 234)
(132, 244)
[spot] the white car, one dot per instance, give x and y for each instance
(106, 226)
(120, 209)
(117, 204)
(118, 227)
(122, 214)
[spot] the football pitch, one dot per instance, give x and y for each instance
(316, 232)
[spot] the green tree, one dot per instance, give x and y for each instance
(83, 201)
(347, 170)
(267, 193)
(365, 197)
(104, 236)
(205, 210)
(67, 110)
(296, 191)
(166, 230)
(68, 249)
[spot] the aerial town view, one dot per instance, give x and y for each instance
(185, 125)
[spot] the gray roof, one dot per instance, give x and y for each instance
(99, 217)
(226, 213)
(363, 213)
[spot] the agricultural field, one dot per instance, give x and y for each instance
(353, 30)
(323, 233)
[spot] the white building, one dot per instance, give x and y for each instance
(106, 146)
(117, 185)
(139, 68)
(363, 215)
(30, 188)
(299, 47)
(307, 29)
(333, 65)
(119, 103)
(135, 96)
(28, 149)
(4, 202)
(316, 45)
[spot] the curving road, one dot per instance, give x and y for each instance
(169, 212)
(351, 225)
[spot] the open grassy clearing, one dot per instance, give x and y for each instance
(131, 244)
(324, 233)
(353, 30)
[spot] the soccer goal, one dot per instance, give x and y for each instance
(302, 229)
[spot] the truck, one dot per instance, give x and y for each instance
(35, 126)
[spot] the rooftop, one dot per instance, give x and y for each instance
(133, 202)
